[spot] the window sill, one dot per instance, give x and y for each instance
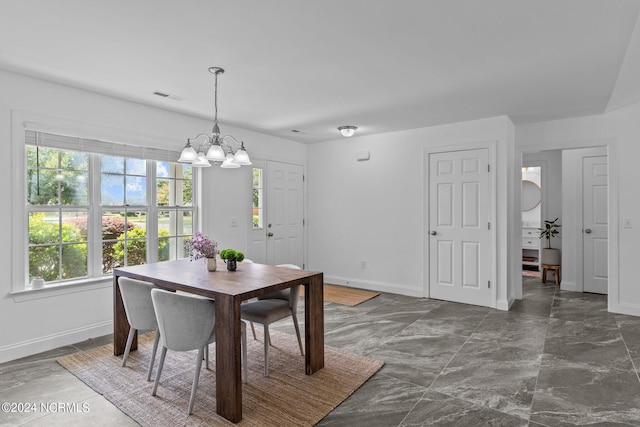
(29, 294)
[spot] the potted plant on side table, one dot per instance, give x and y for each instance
(231, 258)
(549, 255)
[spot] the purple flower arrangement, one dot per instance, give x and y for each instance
(201, 247)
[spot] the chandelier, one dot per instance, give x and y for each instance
(214, 147)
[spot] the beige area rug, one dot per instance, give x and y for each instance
(345, 296)
(287, 397)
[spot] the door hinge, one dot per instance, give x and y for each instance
(488, 226)
(488, 168)
(489, 284)
(302, 178)
(303, 266)
(303, 222)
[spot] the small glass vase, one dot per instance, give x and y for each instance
(212, 264)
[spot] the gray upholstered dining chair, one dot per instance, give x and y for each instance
(187, 322)
(269, 309)
(136, 298)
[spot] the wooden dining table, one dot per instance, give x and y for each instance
(228, 289)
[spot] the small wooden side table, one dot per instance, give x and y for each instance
(556, 273)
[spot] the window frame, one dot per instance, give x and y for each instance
(20, 286)
(260, 189)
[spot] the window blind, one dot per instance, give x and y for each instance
(62, 142)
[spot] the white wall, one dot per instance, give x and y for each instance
(42, 320)
(620, 131)
(374, 211)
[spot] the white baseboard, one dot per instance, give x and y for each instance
(505, 305)
(629, 309)
(49, 342)
(370, 285)
(567, 286)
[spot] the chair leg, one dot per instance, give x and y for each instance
(153, 354)
(163, 353)
(244, 355)
(206, 356)
(132, 332)
(253, 330)
(196, 378)
(295, 323)
(267, 341)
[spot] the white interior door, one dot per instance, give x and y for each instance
(594, 224)
(460, 244)
(284, 215)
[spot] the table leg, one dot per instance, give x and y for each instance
(120, 322)
(228, 361)
(314, 324)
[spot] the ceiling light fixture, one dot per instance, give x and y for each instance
(347, 131)
(216, 147)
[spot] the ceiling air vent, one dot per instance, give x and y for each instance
(168, 95)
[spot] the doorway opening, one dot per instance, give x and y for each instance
(531, 207)
(575, 188)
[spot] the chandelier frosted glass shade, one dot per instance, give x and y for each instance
(202, 162)
(229, 163)
(188, 154)
(241, 157)
(216, 153)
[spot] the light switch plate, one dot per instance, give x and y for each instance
(626, 223)
(363, 155)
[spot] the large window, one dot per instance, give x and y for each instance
(57, 195)
(175, 211)
(90, 211)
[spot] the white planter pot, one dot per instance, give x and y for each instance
(550, 256)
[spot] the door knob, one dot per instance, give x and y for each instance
(433, 233)
(588, 231)
(269, 234)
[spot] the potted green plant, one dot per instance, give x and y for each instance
(231, 258)
(549, 255)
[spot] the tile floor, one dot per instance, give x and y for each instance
(556, 359)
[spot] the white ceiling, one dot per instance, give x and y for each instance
(381, 65)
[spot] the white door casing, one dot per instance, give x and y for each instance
(460, 243)
(284, 215)
(595, 224)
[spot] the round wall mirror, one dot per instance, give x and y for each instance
(530, 195)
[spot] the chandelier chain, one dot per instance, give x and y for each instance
(215, 119)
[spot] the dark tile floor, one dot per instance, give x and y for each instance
(556, 359)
